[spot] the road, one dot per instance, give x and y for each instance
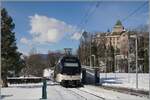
(57, 92)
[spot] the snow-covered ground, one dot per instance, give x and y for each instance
(124, 80)
(57, 92)
(21, 91)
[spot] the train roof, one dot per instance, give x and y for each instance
(68, 56)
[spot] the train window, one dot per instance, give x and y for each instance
(69, 64)
(70, 60)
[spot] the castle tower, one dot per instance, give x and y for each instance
(118, 28)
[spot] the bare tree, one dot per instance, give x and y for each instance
(35, 65)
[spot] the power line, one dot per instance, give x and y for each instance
(80, 24)
(91, 12)
(84, 17)
(87, 15)
(141, 6)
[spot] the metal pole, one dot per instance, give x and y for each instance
(94, 61)
(106, 67)
(115, 67)
(44, 91)
(149, 65)
(90, 51)
(128, 60)
(149, 50)
(136, 63)
(0, 67)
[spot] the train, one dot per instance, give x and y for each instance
(68, 71)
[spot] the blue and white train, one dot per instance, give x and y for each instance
(68, 71)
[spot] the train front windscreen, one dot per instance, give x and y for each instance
(71, 66)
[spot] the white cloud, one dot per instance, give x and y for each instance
(24, 40)
(77, 35)
(48, 30)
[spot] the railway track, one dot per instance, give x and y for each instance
(84, 94)
(74, 93)
(92, 94)
(84, 98)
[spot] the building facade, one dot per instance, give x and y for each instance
(118, 39)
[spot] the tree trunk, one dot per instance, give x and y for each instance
(4, 84)
(4, 81)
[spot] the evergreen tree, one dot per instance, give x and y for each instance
(94, 52)
(146, 61)
(11, 60)
(110, 61)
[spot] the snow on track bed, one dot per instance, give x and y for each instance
(86, 95)
(127, 91)
(77, 94)
(112, 95)
(57, 92)
(92, 94)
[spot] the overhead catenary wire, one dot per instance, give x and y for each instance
(88, 10)
(80, 24)
(93, 9)
(90, 13)
(86, 14)
(136, 10)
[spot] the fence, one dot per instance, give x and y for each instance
(18, 80)
(126, 80)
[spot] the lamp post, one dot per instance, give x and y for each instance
(128, 59)
(135, 36)
(0, 71)
(149, 63)
(136, 64)
(90, 51)
(149, 51)
(149, 67)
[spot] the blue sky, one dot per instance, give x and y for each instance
(61, 20)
